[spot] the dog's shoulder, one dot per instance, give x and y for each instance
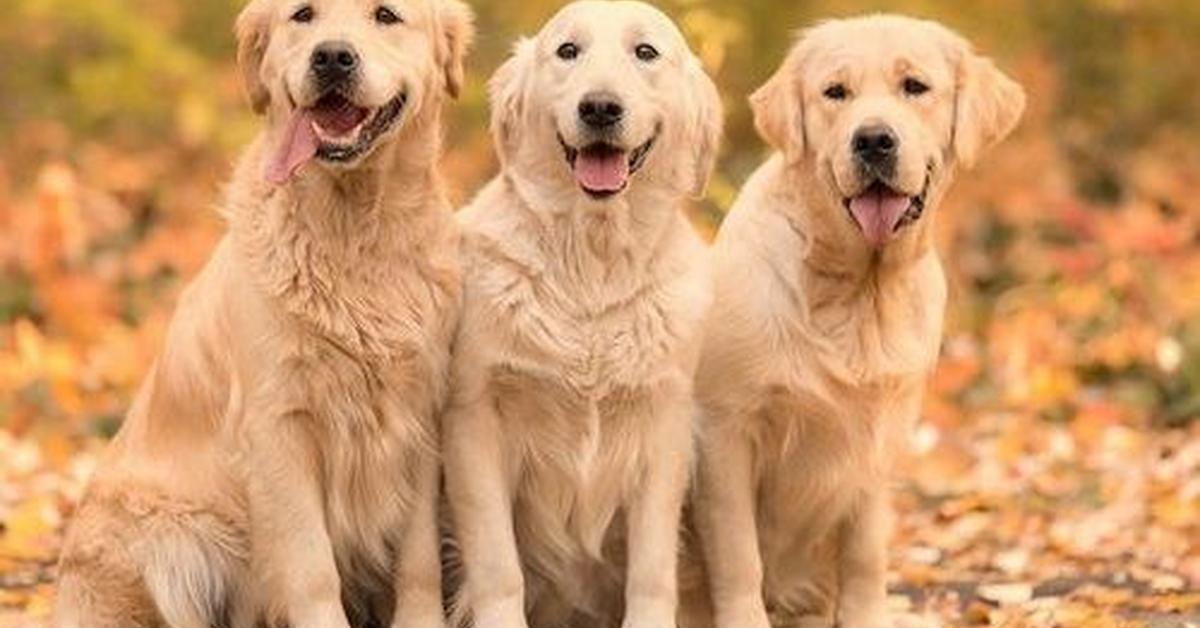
(498, 236)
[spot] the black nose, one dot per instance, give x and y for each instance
(876, 145)
(601, 111)
(333, 62)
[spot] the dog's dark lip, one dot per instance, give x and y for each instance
(569, 152)
(637, 159)
(380, 122)
(916, 205)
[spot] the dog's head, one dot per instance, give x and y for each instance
(607, 97)
(879, 111)
(338, 78)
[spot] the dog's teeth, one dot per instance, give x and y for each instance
(342, 140)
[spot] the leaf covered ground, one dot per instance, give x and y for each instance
(1055, 475)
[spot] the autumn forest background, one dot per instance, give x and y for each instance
(1055, 476)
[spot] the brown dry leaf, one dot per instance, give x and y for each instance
(1007, 594)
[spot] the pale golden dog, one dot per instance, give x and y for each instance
(279, 465)
(568, 440)
(828, 315)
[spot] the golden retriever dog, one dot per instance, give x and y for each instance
(279, 465)
(828, 314)
(568, 440)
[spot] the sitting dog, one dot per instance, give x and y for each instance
(279, 465)
(569, 436)
(828, 314)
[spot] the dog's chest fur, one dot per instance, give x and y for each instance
(582, 389)
(363, 364)
(585, 358)
(371, 406)
(829, 417)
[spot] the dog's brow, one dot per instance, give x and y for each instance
(907, 65)
(572, 32)
(637, 32)
(837, 74)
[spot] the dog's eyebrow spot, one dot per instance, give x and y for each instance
(636, 33)
(906, 67)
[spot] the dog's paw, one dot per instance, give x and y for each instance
(865, 618)
(650, 616)
(744, 614)
(501, 616)
(496, 623)
(332, 617)
(748, 622)
(423, 620)
(632, 622)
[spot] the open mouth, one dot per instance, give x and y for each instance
(333, 129)
(345, 131)
(881, 212)
(603, 170)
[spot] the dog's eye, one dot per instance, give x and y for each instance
(304, 14)
(386, 16)
(836, 92)
(646, 52)
(568, 51)
(913, 87)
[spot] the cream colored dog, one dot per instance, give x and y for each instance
(828, 315)
(568, 443)
(279, 466)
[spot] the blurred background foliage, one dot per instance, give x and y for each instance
(1059, 440)
(1073, 250)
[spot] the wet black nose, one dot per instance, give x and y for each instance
(601, 111)
(876, 145)
(334, 62)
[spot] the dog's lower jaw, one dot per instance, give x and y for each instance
(383, 121)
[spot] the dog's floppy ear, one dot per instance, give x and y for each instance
(456, 24)
(508, 93)
(779, 112)
(708, 121)
(988, 106)
(253, 30)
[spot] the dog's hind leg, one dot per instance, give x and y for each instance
(188, 579)
(100, 585)
(158, 568)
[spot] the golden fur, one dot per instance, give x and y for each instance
(818, 347)
(568, 440)
(280, 458)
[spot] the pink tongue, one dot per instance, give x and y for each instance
(878, 211)
(298, 145)
(606, 172)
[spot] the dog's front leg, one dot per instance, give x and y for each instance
(419, 567)
(725, 519)
(291, 541)
(651, 588)
(862, 563)
(479, 488)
